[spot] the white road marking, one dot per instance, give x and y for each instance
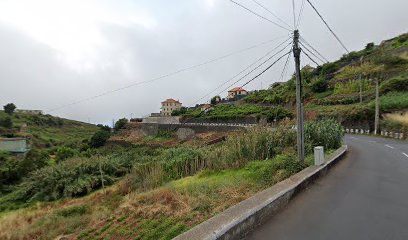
(353, 138)
(406, 155)
(388, 146)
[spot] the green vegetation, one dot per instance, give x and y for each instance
(231, 112)
(398, 84)
(166, 191)
(121, 124)
(99, 138)
(9, 108)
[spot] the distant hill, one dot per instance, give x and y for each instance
(45, 131)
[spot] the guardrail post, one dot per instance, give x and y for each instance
(318, 156)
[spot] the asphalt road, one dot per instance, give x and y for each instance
(364, 197)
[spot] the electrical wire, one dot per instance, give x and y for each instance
(302, 40)
(272, 13)
(285, 67)
(260, 74)
(242, 71)
(307, 55)
(327, 25)
(300, 14)
(232, 78)
(260, 65)
(260, 16)
(166, 75)
(305, 48)
(294, 13)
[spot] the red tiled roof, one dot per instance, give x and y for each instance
(237, 89)
(170, 100)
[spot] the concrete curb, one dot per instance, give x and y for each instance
(238, 220)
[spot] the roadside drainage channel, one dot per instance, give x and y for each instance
(239, 220)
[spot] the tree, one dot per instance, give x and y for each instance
(121, 123)
(369, 46)
(214, 100)
(6, 122)
(9, 108)
(104, 127)
(99, 139)
(319, 85)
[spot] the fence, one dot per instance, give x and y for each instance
(384, 133)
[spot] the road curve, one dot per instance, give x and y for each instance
(364, 197)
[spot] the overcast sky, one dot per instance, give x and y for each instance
(55, 52)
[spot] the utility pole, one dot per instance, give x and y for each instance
(377, 107)
(360, 80)
(299, 98)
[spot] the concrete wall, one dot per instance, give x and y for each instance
(162, 120)
(245, 120)
(13, 144)
(186, 131)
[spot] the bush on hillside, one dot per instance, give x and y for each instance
(65, 152)
(319, 85)
(327, 133)
(99, 139)
(121, 124)
(6, 122)
(399, 84)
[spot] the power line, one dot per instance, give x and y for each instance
(266, 69)
(166, 75)
(285, 67)
(273, 14)
(314, 49)
(294, 14)
(304, 47)
(327, 25)
(300, 14)
(242, 71)
(260, 65)
(232, 78)
(307, 55)
(257, 14)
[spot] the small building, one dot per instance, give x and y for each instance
(14, 145)
(237, 93)
(205, 107)
(169, 105)
(32, 112)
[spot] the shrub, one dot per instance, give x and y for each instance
(399, 84)
(179, 112)
(121, 123)
(6, 122)
(327, 133)
(9, 108)
(99, 139)
(319, 85)
(77, 210)
(65, 152)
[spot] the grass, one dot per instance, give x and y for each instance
(392, 102)
(162, 213)
(48, 131)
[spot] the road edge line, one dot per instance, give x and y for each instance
(240, 219)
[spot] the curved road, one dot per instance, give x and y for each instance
(364, 197)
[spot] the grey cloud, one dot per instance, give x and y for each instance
(188, 32)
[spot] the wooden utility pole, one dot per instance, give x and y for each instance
(377, 107)
(299, 98)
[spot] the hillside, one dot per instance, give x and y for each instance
(46, 131)
(333, 89)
